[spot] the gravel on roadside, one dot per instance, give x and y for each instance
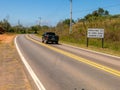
(12, 73)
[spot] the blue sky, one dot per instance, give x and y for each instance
(29, 12)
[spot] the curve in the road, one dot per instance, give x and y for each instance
(91, 63)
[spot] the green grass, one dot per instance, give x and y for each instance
(94, 44)
(79, 30)
(111, 50)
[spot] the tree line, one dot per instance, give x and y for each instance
(6, 27)
(100, 13)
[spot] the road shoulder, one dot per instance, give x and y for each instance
(12, 73)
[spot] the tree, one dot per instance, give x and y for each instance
(67, 22)
(2, 30)
(45, 27)
(106, 12)
(88, 16)
(5, 25)
(34, 28)
(100, 11)
(97, 13)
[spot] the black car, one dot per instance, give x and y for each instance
(50, 37)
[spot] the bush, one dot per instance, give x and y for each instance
(2, 30)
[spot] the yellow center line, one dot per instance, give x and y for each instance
(91, 63)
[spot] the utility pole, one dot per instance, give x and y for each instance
(70, 31)
(39, 21)
(18, 22)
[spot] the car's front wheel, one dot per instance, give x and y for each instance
(56, 42)
(46, 41)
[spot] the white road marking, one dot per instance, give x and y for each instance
(31, 72)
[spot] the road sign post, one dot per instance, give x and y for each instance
(102, 42)
(87, 42)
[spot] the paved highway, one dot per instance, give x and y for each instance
(63, 67)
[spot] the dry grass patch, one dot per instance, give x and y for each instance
(6, 38)
(12, 74)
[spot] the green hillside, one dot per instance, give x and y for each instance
(110, 23)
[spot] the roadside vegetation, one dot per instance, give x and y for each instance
(97, 19)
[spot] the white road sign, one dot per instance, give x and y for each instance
(95, 33)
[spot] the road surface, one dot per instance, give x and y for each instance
(63, 67)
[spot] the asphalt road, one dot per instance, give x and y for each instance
(61, 69)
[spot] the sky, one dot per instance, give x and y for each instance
(50, 12)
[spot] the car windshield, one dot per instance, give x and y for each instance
(50, 33)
